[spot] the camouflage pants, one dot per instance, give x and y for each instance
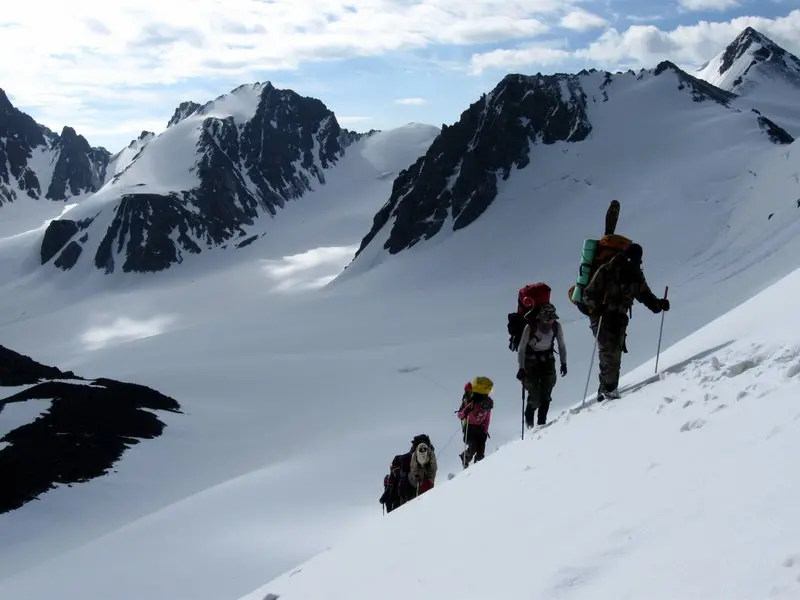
(540, 379)
(610, 346)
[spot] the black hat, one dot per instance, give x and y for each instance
(634, 253)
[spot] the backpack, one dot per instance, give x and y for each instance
(595, 253)
(529, 298)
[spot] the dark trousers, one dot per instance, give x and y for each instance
(610, 346)
(540, 379)
(475, 439)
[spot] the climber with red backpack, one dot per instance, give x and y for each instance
(537, 363)
(533, 332)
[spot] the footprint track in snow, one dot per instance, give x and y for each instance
(693, 424)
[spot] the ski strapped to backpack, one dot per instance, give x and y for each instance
(597, 252)
(529, 298)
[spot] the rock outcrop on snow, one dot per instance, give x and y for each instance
(73, 430)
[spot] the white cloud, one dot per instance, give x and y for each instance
(708, 5)
(647, 45)
(522, 57)
(582, 20)
(153, 44)
(411, 101)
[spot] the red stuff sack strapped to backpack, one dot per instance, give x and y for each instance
(530, 296)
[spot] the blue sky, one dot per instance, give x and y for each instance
(111, 70)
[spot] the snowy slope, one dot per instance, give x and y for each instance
(288, 392)
(764, 74)
(684, 488)
(122, 159)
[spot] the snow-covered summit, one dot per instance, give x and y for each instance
(212, 179)
(764, 74)
(595, 127)
(750, 56)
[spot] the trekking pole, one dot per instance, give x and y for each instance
(591, 362)
(661, 331)
(466, 443)
(522, 385)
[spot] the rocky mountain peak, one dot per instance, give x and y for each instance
(252, 150)
(458, 177)
(184, 110)
(749, 54)
(35, 162)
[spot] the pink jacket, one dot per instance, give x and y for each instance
(477, 416)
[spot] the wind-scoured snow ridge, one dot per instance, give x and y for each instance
(631, 499)
(38, 164)
(205, 182)
(545, 127)
(122, 159)
(764, 75)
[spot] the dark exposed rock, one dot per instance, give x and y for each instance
(78, 169)
(58, 234)
(700, 90)
(81, 436)
(776, 134)
(458, 175)
(244, 170)
(185, 109)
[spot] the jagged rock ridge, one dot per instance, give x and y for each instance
(457, 180)
(40, 164)
(458, 176)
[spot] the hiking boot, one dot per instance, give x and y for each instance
(529, 410)
(606, 394)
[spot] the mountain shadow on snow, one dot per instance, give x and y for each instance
(86, 429)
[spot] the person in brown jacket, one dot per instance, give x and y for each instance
(609, 296)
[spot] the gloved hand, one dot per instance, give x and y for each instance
(521, 375)
(664, 304)
(563, 370)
